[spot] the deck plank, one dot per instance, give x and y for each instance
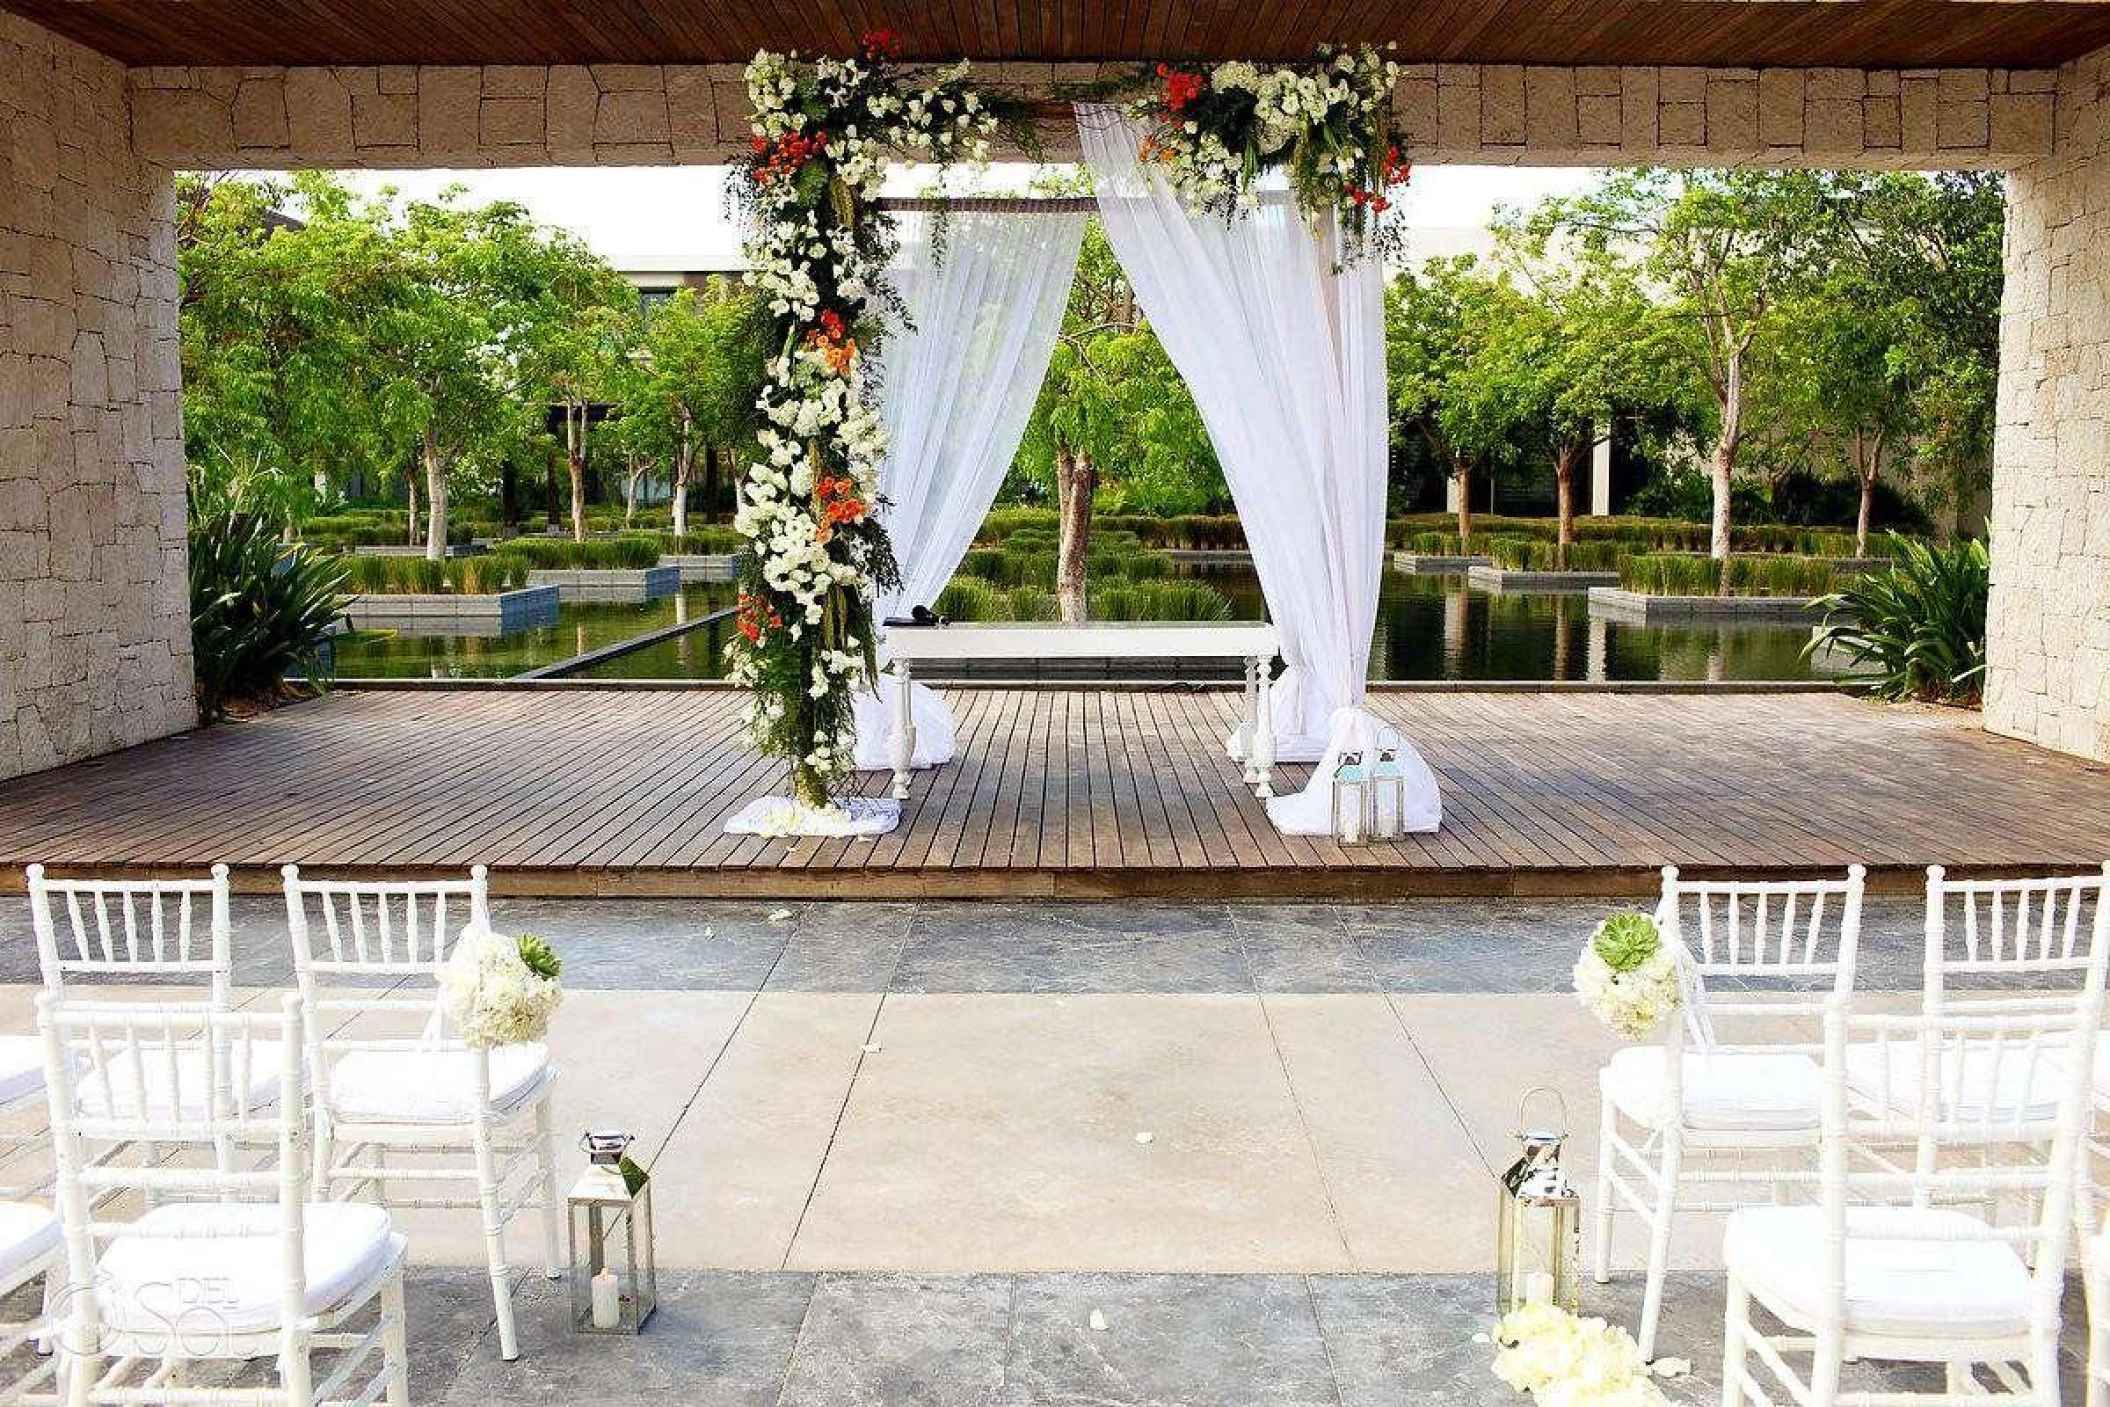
(1058, 791)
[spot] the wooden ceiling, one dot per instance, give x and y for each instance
(1852, 33)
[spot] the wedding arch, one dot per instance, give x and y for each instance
(1249, 208)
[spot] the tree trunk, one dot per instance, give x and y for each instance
(1462, 471)
(435, 499)
(410, 488)
(1075, 479)
(575, 460)
(1722, 466)
(1868, 462)
(633, 470)
(684, 462)
(1564, 462)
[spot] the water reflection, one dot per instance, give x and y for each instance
(1428, 627)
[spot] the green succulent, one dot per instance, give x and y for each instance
(1626, 940)
(540, 958)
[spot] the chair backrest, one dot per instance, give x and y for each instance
(2017, 942)
(139, 929)
(347, 929)
(1804, 931)
(1973, 1091)
(171, 1075)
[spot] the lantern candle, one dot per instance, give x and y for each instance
(607, 1301)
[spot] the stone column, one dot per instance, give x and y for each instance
(94, 610)
(2049, 633)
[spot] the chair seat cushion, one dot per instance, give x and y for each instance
(412, 1086)
(28, 1232)
(1900, 1280)
(1728, 1090)
(1971, 1077)
(201, 1269)
(21, 1068)
(112, 1091)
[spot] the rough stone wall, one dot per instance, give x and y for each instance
(2049, 646)
(642, 114)
(94, 612)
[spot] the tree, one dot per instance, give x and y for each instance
(692, 386)
(1723, 251)
(282, 405)
(1565, 358)
(579, 323)
(1114, 419)
(1439, 321)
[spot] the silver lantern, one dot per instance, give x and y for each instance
(1388, 793)
(1539, 1219)
(1351, 799)
(614, 1273)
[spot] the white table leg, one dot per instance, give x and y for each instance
(1263, 752)
(1245, 719)
(904, 731)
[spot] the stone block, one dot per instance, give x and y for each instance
(1638, 108)
(1549, 108)
(318, 112)
(629, 116)
(508, 122)
(260, 118)
(1502, 120)
(2021, 122)
(383, 119)
(1961, 125)
(572, 102)
(1732, 113)
(692, 117)
(1681, 124)
(449, 103)
(1780, 93)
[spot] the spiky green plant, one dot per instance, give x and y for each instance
(1920, 624)
(260, 610)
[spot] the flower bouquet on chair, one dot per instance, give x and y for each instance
(500, 989)
(1629, 977)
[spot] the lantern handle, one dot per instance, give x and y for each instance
(1524, 1109)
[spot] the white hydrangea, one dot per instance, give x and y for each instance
(1634, 1002)
(492, 995)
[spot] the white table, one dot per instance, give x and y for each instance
(1254, 642)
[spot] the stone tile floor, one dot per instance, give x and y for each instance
(787, 1339)
(1423, 945)
(897, 1158)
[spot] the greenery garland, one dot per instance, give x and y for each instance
(824, 133)
(1214, 130)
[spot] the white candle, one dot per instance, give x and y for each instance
(607, 1301)
(1538, 1287)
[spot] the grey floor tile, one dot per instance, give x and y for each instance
(1407, 1340)
(1072, 948)
(1169, 1341)
(901, 1341)
(722, 1338)
(843, 947)
(1301, 948)
(651, 944)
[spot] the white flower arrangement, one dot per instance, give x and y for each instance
(823, 131)
(1629, 977)
(1566, 1361)
(1212, 131)
(499, 989)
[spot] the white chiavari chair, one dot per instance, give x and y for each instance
(172, 934)
(1888, 1267)
(29, 1252)
(471, 1118)
(227, 1263)
(1696, 1110)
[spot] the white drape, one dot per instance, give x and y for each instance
(956, 387)
(1284, 352)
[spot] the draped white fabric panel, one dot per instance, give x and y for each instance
(1285, 354)
(956, 388)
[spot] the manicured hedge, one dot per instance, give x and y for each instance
(390, 576)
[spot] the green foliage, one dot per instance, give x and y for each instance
(973, 598)
(1690, 574)
(476, 576)
(711, 540)
(539, 957)
(1112, 395)
(596, 553)
(1921, 623)
(1533, 555)
(1626, 940)
(259, 610)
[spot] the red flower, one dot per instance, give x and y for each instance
(882, 44)
(1181, 88)
(1398, 170)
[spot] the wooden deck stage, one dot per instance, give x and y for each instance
(1066, 793)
